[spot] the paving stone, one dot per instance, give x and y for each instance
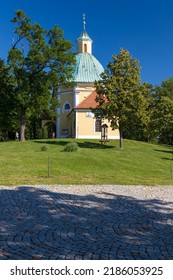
(86, 222)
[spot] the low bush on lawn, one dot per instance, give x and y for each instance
(71, 147)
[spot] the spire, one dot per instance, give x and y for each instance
(84, 41)
(84, 21)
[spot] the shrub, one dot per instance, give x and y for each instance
(71, 147)
(44, 148)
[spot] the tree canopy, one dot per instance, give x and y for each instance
(39, 62)
(121, 95)
(7, 106)
(161, 121)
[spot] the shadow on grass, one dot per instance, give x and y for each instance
(37, 223)
(85, 144)
(165, 151)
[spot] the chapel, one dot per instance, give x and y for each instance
(75, 116)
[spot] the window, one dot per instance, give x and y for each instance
(66, 107)
(65, 131)
(98, 124)
(89, 115)
(85, 47)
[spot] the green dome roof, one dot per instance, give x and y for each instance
(87, 69)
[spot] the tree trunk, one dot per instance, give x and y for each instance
(34, 128)
(22, 126)
(121, 138)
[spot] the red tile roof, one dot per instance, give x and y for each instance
(89, 102)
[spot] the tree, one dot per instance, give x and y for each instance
(166, 88)
(40, 61)
(7, 105)
(121, 95)
(161, 122)
(137, 124)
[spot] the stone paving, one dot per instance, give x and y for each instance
(86, 222)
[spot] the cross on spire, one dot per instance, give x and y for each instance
(84, 21)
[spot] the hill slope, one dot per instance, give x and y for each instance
(139, 163)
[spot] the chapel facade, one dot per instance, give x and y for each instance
(75, 115)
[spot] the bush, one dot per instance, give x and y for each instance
(44, 148)
(71, 147)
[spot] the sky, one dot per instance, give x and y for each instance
(143, 27)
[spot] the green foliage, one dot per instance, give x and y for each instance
(39, 61)
(166, 89)
(136, 126)
(8, 112)
(161, 122)
(71, 147)
(122, 97)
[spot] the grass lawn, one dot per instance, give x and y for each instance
(138, 163)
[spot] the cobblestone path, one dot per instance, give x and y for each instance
(86, 222)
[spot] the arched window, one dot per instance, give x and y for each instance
(66, 107)
(85, 47)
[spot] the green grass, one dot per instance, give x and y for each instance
(93, 163)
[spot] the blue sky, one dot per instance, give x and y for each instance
(143, 27)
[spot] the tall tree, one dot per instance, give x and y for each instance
(121, 95)
(161, 122)
(40, 61)
(7, 102)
